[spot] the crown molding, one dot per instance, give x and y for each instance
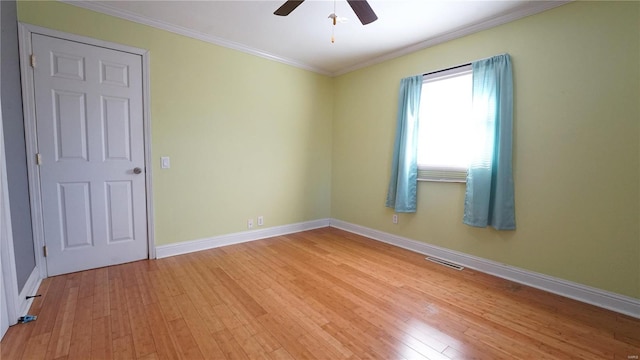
(535, 8)
(126, 15)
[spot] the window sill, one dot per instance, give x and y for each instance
(443, 180)
(433, 174)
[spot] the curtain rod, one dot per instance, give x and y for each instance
(459, 66)
(441, 70)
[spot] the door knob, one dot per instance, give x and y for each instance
(137, 170)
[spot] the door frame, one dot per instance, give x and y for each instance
(8, 278)
(28, 103)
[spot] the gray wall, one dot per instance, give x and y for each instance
(15, 144)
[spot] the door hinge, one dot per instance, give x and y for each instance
(33, 61)
(44, 251)
(38, 159)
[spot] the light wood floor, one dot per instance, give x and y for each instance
(323, 294)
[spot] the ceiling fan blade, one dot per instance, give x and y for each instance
(288, 7)
(363, 11)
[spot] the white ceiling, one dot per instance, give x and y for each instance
(303, 38)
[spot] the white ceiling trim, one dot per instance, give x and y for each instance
(126, 15)
(468, 30)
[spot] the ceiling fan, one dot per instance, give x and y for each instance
(360, 7)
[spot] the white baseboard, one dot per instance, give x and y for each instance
(186, 247)
(30, 288)
(601, 298)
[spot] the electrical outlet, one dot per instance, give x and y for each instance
(250, 223)
(395, 218)
(260, 220)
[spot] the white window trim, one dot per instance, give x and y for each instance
(439, 173)
(442, 174)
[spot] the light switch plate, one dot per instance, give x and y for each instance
(165, 163)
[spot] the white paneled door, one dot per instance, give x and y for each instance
(89, 119)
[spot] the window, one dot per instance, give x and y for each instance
(489, 196)
(443, 132)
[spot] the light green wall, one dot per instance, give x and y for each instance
(576, 146)
(246, 136)
(249, 137)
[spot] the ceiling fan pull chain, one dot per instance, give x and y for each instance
(333, 28)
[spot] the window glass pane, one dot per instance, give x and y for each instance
(445, 109)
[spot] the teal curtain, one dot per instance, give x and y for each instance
(404, 168)
(489, 198)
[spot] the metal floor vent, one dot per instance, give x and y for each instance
(445, 263)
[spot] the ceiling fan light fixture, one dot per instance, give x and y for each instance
(361, 8)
